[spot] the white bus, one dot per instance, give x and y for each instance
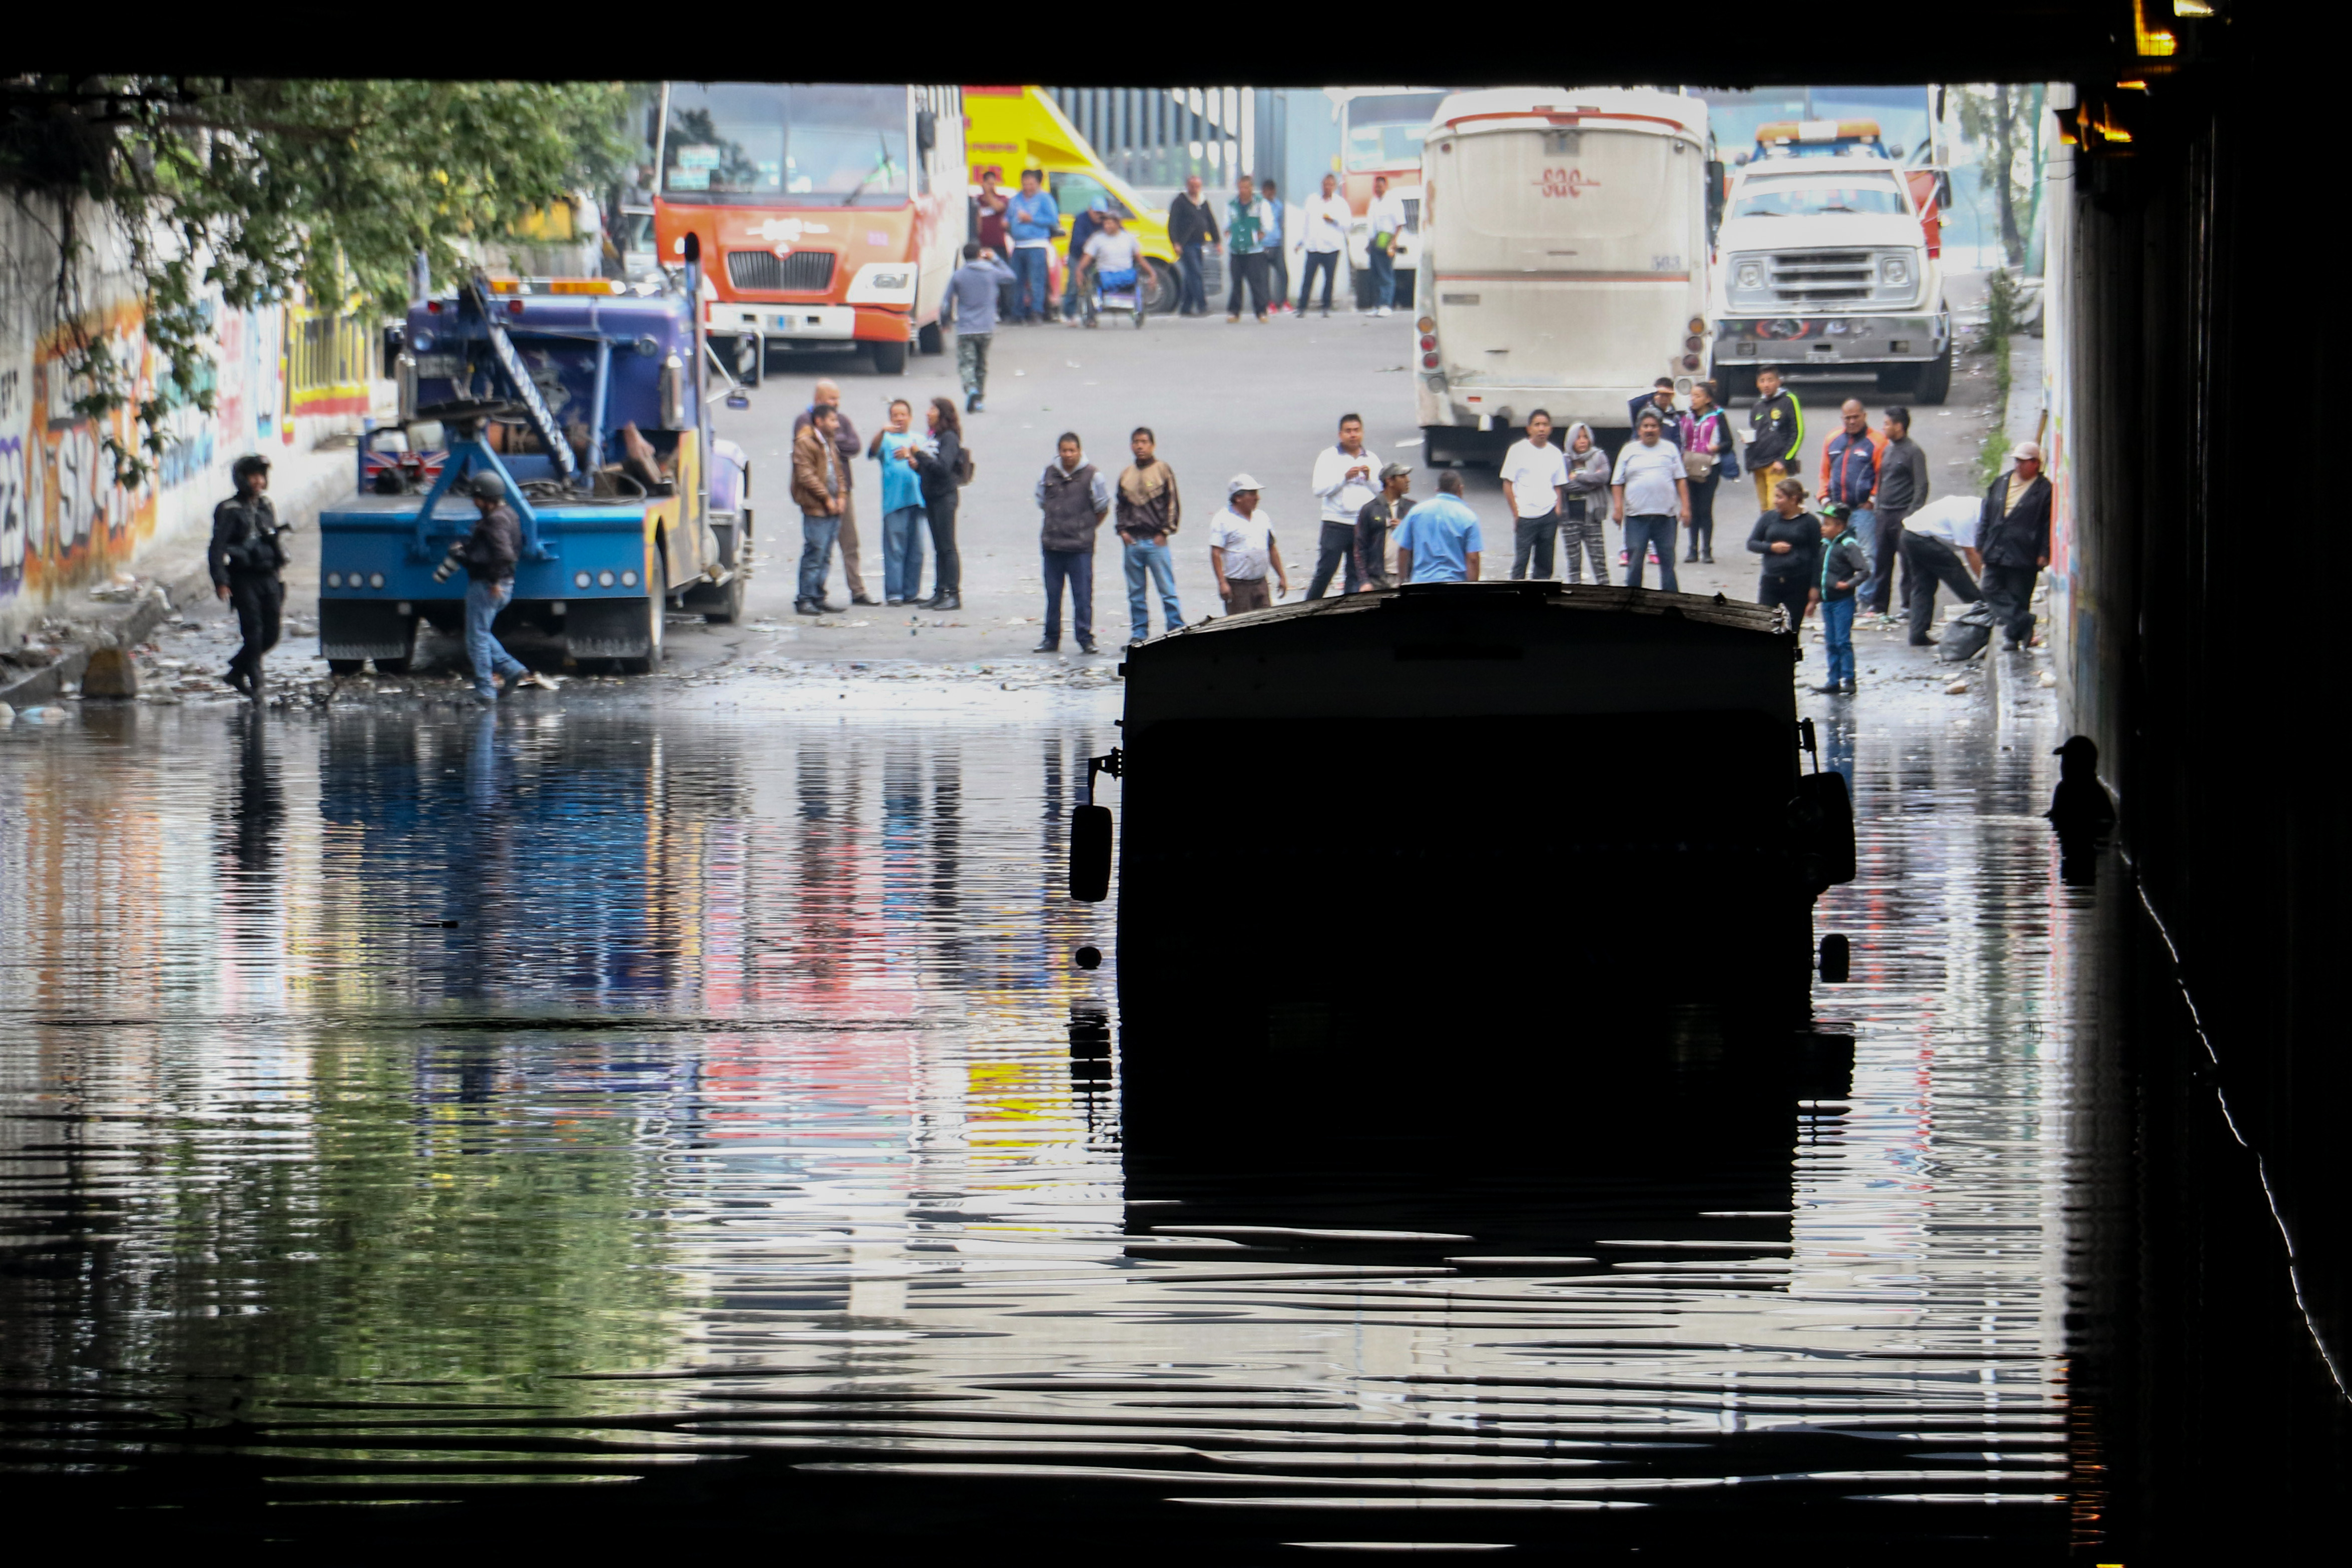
(1565, 240)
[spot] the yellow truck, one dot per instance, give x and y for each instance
(1009, 129)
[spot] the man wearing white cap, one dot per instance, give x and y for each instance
(1241, 548)
(2014, 538)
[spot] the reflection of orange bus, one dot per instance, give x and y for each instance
(830, 217)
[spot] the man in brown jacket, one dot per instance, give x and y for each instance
(821, 490)
(1149, 513)
(828, 393)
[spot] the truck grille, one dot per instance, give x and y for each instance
(1802, 278)
(802, 272)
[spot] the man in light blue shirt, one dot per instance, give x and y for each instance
(1438, 540)
(904, 516)
(1033, 218)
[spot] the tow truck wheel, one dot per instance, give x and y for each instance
(656, 620)
(399, 666)
(729, 608)
(889, 358)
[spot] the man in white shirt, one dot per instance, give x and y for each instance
(1648, 496)
(1240, 547)
(1114, 253)
(1534, 481)
(1386, 215)
(1327, 216)
(1344, 482)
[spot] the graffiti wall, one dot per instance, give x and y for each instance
(280, 376)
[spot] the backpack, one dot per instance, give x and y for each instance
(963, 467)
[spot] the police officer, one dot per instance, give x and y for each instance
(246, 558)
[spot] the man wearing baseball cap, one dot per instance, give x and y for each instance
(487, 556)
(1373, 521)
(1241, 548)
(2014, 538)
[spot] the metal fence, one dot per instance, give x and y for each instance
(1158, 136)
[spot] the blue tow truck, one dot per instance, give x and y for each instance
(587, 397)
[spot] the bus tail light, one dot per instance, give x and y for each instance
(1428, 362)
(1426, 324)
(1427, 342)
(1698, 327)
(1690, 361)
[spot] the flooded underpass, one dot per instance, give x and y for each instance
(614, 1123)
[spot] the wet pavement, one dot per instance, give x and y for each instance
(688, 1118)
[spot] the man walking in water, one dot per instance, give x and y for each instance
(246, 558)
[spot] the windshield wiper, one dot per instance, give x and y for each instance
(882, 166)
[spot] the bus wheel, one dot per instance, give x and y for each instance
(889, 358)
(928, 340)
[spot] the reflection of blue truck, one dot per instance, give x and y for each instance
(586, 397)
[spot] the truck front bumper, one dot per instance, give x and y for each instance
(810, 323)
(1793, 340)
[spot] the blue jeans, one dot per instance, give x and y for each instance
(1837, 636)
(1031, 264)
(1864, 525)
(1193, 297)
(1154, 558)
(902, 551)
(1076, 567)
(483, 602)
(1383, 263)
(817, 537)
(1640, 533)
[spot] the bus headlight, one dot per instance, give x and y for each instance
(883, 283)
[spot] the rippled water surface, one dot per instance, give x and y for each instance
(599, 1119)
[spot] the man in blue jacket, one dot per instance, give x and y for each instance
(1033, 218)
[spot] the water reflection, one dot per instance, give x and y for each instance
(668, 1113)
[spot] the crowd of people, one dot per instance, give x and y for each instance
(1832, 552)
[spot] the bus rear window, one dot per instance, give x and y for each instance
(746, 143)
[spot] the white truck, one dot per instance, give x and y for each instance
(1830, 263)
(1380, 131)
(1565, 261)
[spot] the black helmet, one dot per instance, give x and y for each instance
(485, 486)
(247, 466)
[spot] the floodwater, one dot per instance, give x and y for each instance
(693, 1123)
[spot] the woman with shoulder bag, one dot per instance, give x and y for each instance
(1709, 456)
(945, 468)
(1789, 537)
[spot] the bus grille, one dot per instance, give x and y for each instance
(1803, 277)
(802, 272)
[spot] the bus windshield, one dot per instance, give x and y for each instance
(1803, 196)
(751, 144)
(1385, 130)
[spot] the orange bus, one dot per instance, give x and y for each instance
(830, 216)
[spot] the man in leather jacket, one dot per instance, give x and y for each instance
(246, 559)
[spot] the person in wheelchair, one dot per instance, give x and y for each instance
(1114, 263)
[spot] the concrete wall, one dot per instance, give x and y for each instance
(284, 377)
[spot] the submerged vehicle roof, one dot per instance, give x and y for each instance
(1454, 650)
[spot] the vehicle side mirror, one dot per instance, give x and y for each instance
(927, 131)
(1822, 818)
(1091, 853)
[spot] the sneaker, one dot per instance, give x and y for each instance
(808, 607)
(1236, 315)
(1622, 559)
(972, 402)
(1848, 688)
(979, 405)
(1827, 688)
(538, 681)
(892, 604)
(1384, 310)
